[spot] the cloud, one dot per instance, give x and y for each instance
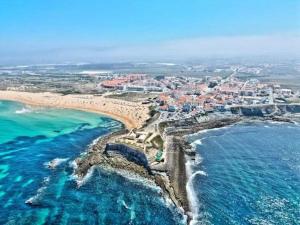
(215, 46)
(183, 49)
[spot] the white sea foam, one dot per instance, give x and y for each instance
(90, 146)
(55, 162)
(276, 122)
(23, 110)
(73, 165)
(198, 142)
(95, 141)
(198, 136)
(125, 205)
(34, 199)
(133, 177)
(124, 173)
(191, 194)
(198, 159)
(81, 180)
(131, 209)
(46, 180)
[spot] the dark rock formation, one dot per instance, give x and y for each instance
(129, 153)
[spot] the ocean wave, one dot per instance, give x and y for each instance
(124, 173)
(275, 206)
(125, 205)
(198, 159)
(73, 165)
(46, 180)
(55, 162)
(133, 177)
(131, 210)
(34, 200)
(198, 142)
(191, 192)
(274, 122)
(23, 110)
(198, 136)
(81, 180)
(91, 145)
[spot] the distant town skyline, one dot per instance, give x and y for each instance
(35, 31)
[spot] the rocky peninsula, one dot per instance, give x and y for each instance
(153, 149)
(171, 173)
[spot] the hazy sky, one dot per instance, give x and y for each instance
(121, 30)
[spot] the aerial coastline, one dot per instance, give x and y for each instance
(132, 115)
(150, 112)
(157, 120)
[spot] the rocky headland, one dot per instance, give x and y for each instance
(171, 174)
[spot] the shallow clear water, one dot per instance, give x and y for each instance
(31, 137)
(248, 174)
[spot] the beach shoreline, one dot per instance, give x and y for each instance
(131, 114)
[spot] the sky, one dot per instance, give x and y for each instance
(35, 31)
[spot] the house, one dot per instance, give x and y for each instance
(286, 92)
(186, 107)
(172, 108)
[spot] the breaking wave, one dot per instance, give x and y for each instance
(23, 111)
(55, 162)
(191, 192)
(34, 200)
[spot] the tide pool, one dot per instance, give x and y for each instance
(32, 136)
(247, 174)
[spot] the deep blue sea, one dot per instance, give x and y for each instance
(31, 137)
(247, 174)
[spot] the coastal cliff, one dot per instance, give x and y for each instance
(107, 154)
(128, 153)
(265, 110)
(171, 174)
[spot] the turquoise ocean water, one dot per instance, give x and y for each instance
(31, 137)
(247, 174)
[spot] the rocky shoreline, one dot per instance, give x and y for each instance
(171, 179)
(171, 176)
(96, 156)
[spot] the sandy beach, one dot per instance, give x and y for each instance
(131, 114)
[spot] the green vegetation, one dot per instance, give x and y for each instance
(152, 110)
(158, 156)
(158, 142)
(69, 92)
(132, 96)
